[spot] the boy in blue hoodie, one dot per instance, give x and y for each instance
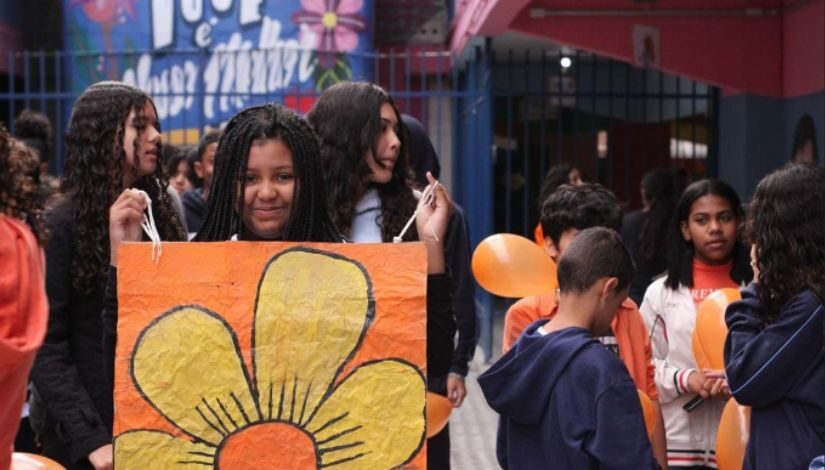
(565, 401)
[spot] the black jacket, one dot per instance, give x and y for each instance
(457, 257)
(72, 403)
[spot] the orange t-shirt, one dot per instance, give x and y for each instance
(632, 337)
(23, 314)
(709, 278)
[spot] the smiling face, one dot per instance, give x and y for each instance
(711, 226)
(142, 128)
(269, 186)
(388, 148)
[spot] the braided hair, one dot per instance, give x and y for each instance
(309, 218)
(347, 118)
(93, 178)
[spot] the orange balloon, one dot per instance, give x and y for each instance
(708, 339)
(732, 436)
(24, 461)
(512, 266)
(649, 413)
(438, 413)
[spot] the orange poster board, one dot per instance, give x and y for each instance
(271, 355)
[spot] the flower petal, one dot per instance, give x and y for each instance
(350, 6)
(373, 419)
(187, 363)
(303, 335)
(135, 449)
(345, 39)
(315, 6)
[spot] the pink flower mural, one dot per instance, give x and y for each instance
(334, 24)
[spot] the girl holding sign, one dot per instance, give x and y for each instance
(706, 255)
(113, 143)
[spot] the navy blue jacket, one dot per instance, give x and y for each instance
(779, 370)
(566, 402)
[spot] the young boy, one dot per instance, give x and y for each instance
(564, 214)
(565, 401)
(194, 201)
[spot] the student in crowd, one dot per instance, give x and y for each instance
(34, 129)
(113, 143)
(645, 231)
(804, 148)
(365, 159)
(774, 356)
(194, 201)
(556, 176)
(566, 401)
(178, 169)
(268, 186)
(23, 304)
(565, 213)
(705, 255)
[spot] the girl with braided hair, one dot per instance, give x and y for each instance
(112, 143)
(268, 186)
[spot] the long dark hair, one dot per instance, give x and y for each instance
(786, 221)
(347, 118)
(680, 256)
(309, 218)
(93, 178)
(657, 185)
(805, 132)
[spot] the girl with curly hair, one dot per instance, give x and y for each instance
(705, 255)
(774, 357)
(113, 143)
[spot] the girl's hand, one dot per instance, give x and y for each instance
(716, 384)
(696, 384)
(125, 217)
(433, 213)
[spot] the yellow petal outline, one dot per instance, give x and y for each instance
(291, 317)
(138, 448)
(374, 419)
(174, 381)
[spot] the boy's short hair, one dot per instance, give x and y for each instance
(211, 137)
(595, 253)
(579, 207)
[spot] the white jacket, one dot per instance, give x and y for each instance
(670, 317)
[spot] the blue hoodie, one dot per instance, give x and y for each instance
(566, 402)
(779, 370)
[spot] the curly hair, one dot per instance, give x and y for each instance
(786, 221)
(347, 118)
(309, 218)
(93, 177)
(19, 181)
(580, 208)
(680, 252)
